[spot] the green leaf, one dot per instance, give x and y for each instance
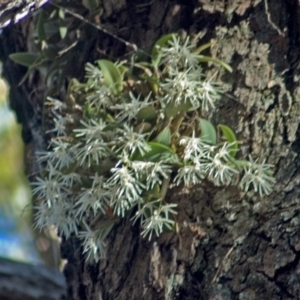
(40, 27)
(74, 85)
(91, 5)
(201, 48)
(153, 83)
(155, 53)
(146, 114)
(61, 13)
(63, 31)
(164, 137)
(171, 109)
(158, 152)
(208, 131)
(111, 74)
(241, 163)
(152, 194)
(25, 59)
(215, 60)
(231, 138)
(123, 70)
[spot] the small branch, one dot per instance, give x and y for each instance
(280, 32)
(222, 264)
(77, 16)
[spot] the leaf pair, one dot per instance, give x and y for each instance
(112, 75)
(209, 134)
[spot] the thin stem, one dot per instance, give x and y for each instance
(164, 187)
(177, 122)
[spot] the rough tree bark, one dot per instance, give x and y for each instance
(229, 245)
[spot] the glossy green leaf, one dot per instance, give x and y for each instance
(155, 53)
(111, 74)
(230, 137)
(164, 137)
(208, 131)
(25, 59)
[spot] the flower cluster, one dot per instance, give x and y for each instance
(126, 136)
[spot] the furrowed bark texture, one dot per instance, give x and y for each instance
(229, 245)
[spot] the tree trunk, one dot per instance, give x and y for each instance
(229, 245)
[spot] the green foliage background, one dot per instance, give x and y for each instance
(15, 208)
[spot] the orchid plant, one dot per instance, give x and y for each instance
(130, 132)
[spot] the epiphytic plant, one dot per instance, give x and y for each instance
(128, 133)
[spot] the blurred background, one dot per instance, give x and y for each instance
(16, 235)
